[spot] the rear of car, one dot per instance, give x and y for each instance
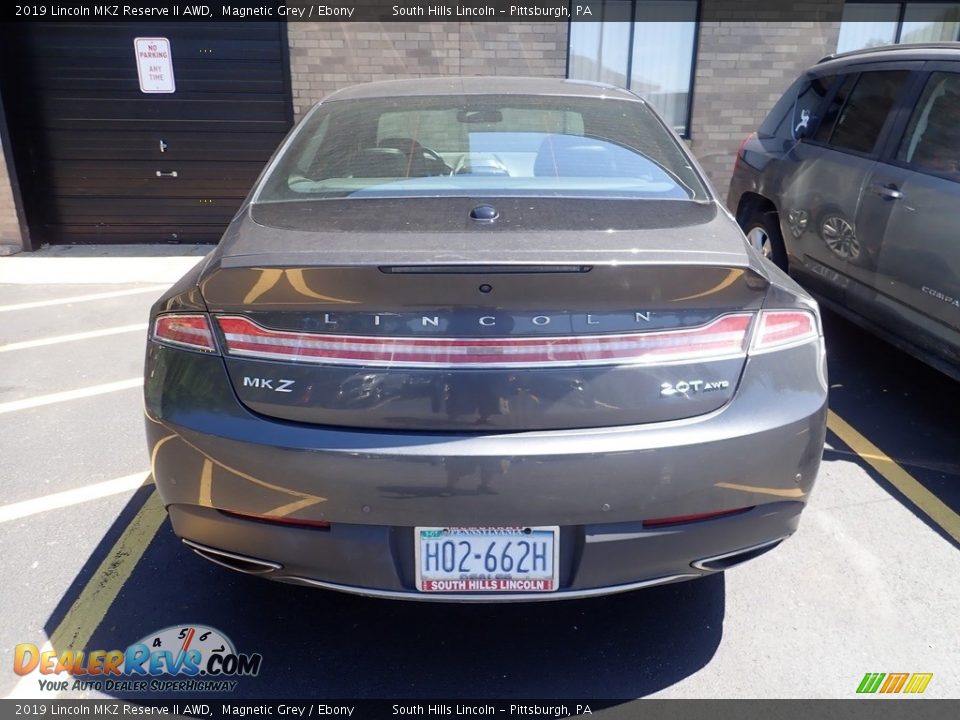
(475, 345)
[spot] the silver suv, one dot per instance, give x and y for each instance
(852, 184)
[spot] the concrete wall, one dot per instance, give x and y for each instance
(328, 56)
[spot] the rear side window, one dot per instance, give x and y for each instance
(861, 114)
(797, 110)
(833, 109)
(778, 120)
(809, 103)
(932, 140)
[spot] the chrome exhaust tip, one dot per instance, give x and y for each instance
(233, 561)
(716, 563)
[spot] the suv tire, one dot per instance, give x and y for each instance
(762, 229)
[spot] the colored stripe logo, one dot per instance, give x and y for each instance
(890, 683)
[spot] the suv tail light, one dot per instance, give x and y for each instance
(739, 156)
(185, 331)
(783, 328)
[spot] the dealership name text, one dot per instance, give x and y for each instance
(559, 11)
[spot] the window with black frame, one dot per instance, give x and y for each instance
(870, 24)
(931, 142)
(858, 111)
(647, 46)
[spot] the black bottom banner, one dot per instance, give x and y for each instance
(892, 709)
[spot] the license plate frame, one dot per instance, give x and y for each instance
(479, 540)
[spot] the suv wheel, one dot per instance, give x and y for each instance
(763, 232)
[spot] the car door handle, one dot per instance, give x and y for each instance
(888, 191)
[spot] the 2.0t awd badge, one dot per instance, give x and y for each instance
(691, 387)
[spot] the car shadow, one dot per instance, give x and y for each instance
(904, 407)
(323, 644)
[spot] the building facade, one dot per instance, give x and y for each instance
(92, 158)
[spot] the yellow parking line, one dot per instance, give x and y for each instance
(90, 607)
(928, 503)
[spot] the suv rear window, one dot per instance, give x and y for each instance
(861, 114)
(494, 145)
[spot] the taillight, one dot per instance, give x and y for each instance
(783, 328)
(699, 517)
(740, 147)
(723, 337)
(187, 331)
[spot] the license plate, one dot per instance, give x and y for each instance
(478, 560)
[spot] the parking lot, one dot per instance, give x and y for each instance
(87, 559)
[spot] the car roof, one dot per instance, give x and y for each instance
(906, 51)
(480, 85)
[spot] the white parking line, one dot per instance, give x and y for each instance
(40, 400)
(25, 508)
(83, 298)
(73, 336)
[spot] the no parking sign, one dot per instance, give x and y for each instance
(154, 65)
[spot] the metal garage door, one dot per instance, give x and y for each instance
(100, 161)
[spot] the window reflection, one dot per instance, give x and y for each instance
(653, 55)
(929, 22)
(869, 24)
(663, 59)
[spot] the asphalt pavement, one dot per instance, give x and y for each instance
(868, 584)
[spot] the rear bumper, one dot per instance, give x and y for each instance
(762, 450)
(378, 560)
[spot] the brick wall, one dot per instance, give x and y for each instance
(328, 56)
(742, 69)
(9, 227)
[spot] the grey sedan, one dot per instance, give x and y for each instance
(484, 339)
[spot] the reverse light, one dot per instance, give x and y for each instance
(187, 330)
(778, 329)
(698, 517)
(724, 337)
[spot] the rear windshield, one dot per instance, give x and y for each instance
(492, 145)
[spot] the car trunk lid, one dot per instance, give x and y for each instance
(442, 328)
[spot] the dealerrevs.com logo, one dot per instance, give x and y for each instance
(186, 658)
